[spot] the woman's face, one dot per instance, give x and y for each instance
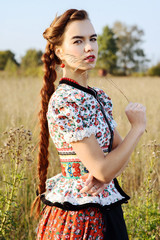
(79, 49)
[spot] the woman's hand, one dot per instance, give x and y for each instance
(136, 114)
(93, 186)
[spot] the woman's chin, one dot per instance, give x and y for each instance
(86, 68)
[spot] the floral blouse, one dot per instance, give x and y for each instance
(74, 112)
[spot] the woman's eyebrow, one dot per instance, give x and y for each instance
(81, 37)
(94, 35)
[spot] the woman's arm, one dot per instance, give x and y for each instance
(117, 140)
(92, 185)
(105, 168)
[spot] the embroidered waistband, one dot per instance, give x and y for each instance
(73, 169)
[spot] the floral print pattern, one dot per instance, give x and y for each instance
(72, 115)
(73, 169)
(61, 190)
(73, 225)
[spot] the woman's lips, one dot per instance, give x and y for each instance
(90, 58)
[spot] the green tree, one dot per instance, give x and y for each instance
(31, 62)
(131, 56)
(31, 59)
(4, 57)
(154, 71)
(11, 67)
(107, 50)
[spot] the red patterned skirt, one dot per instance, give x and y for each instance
(86, 224)
(56, 223)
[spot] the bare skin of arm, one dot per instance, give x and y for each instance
(90, 181)
(105, 168)
(117, 140)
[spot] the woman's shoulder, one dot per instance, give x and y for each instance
(66, 93)
(101, 92)
(103, 96)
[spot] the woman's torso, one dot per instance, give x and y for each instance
(75, 113)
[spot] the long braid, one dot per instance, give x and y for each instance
(46, 92)
(54, 36)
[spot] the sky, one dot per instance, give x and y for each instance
(22, 23)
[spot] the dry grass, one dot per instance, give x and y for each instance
(19, 103)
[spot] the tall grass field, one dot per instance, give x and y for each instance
(19, 130)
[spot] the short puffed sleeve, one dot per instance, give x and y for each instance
(73, 119)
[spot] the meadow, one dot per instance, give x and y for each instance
(20, 103)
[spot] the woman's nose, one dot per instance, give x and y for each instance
(88, 47)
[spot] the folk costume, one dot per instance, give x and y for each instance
(75, 112)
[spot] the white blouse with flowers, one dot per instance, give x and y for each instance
(74, 113)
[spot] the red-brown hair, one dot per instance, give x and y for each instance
(54, 36)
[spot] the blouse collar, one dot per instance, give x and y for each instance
(78, 86)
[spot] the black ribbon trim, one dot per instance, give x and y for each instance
(68, 206)
(68, 153)
(71, 207)
(110, 129)
(76, 86)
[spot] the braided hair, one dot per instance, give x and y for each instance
(54, 36)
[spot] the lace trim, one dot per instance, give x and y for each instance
(60, 190)
(79, 135)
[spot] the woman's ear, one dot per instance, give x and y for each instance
(58, 52)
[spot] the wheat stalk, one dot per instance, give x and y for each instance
(115, 85)
(74, 59)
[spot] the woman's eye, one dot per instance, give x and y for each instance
(78, 42)
(93, 39)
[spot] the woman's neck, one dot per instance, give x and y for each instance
(79, 76)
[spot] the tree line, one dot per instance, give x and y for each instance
(120, 53)
(31, 63)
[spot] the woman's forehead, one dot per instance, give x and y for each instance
(79, 28)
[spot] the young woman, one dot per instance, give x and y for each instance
(84, 200)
